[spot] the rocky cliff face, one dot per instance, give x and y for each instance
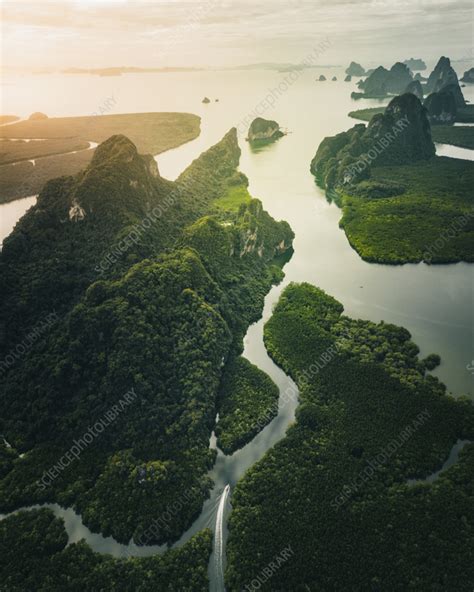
(399, 78)
(251, 233)
(440, 73)
(258, 234)
(383, 81)
(444, 76)
(117, 176)
(264, 130)
(406, 114)
(419, 77)
(376, 83)
(441, 107)
(454, 89)
(415, 88)
(400, 135)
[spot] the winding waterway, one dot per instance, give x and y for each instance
(11, 212)
(434, 302)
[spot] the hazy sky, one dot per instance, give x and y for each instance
(95, 33)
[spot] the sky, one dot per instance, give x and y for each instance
(165, 33)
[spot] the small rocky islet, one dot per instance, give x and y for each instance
(468, 76)
(263, 131)
(37, 116)
(355, 69)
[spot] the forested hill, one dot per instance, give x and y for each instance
(98, 223)
(159, 322)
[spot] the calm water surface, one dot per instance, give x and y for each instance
(11, 212)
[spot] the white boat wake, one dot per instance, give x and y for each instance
(219, 541)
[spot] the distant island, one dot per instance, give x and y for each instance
(385, 174)
(279, 67)
(37, 116)
(415, 64)
(119, 70)
(468, 76)
(444, 78)
(445, 104)
(355, 69)
(382, 82)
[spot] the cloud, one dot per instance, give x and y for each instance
(214, 31)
